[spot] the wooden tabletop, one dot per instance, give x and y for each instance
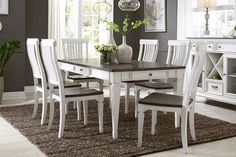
(133, 66)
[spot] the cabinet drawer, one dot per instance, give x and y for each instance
(82, 70)
(215, 88)
(226, 47)
(139, 75)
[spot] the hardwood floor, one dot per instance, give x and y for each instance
(13, 144)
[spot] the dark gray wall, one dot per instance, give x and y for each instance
(36, 27)
(27, 18)
(14, 29)
(163, 38)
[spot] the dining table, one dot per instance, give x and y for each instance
(117, 73)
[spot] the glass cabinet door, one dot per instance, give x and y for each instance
(230, 75)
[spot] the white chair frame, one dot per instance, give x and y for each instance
(38, 74)
(148, 52)
(55, 79)
(73, 49)
(178, 54)
(190, 89)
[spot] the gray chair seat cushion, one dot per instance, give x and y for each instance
(154, 85)
(78, 92)
(67, 85)
(163, 100)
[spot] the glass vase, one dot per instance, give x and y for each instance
(105, 57)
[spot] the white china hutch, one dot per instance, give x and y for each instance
(218, 79)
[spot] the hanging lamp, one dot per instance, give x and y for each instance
(129, 5)
(102, 6)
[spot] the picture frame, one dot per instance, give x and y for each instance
(156, 11)
(4, 7)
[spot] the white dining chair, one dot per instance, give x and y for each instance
(64, 95)
(148, 52)
(76, 49)
(183, 105)
(39, 76)
(178, 54)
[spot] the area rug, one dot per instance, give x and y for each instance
(80, 140)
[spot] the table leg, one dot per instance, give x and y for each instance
(115, 108)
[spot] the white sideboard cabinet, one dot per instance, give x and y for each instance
(218, 79)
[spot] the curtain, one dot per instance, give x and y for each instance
(181, 19)
(55, 9)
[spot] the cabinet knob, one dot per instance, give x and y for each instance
(219, 46)
(224, 74)
(214, 87)
(150, 74)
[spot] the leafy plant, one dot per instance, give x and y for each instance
(127, 25)
(6, 51)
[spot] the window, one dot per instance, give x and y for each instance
(221, 22)
(81, 21)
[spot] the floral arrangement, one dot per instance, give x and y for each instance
(105, 48)
(106, 53)
(127, 25)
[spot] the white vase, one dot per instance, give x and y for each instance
(112, 41)
(1, 88)
(124, 52)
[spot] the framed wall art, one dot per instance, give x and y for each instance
(155, 10)
(4, 7)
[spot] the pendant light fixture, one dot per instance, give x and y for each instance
(102, 6)
(129, 5)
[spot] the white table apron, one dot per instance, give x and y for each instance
(116, 78)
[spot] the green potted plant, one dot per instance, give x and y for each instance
(106, 53)
(125, 52)
(6, 50)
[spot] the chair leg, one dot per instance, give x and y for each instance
(36, 103)
(100, 115)
(66, 108)
(51, 114)
(74, 105)
(137, 96)
(140, 127)
(177, 120)
(154, 122)
(184, 123)
(78, 104)
(62, 119)
(127, 88)
(191, 124)
(44, 107)
(85, 107)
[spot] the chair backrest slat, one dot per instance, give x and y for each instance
(190, 87)
(32, 50)
(50, 62)
(75, 48)
(148, 50)
(178, 52)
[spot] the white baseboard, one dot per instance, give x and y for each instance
(29, 89)
(13, 95)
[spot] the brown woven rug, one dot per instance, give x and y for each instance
(80, 140)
